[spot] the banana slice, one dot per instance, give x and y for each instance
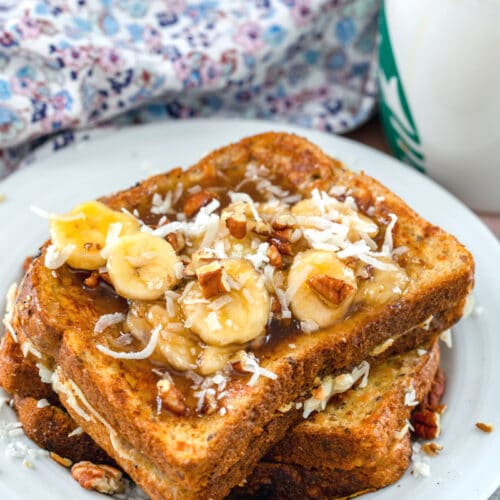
(142, 266)
(175, 344)
(384, 286)
(320, 287)
(336, 211)
(87, 231)
(235, 317)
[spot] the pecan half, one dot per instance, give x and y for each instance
(212, 280)
(426, 424)
(330, 289)
(237, 225)
(275, 258)
(197, 200)
(101, 478)
(170, 397)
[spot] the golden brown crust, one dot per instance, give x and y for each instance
(51, 427)
(286, 481)
(359, 426)
(201, 453)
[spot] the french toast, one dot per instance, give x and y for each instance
(391, 271)
(358, 443)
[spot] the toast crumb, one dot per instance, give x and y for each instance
(485, 427)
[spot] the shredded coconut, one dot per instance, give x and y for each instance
(335, 385)
(309, 326)
(411, 397)
(145, 353)
(56, 257)
(57, 217)
(107, 320)
(42, 403)
(112, 238)
(446, 338)
(76, 432)
(250, 364)
(421, 467)
(10, 301)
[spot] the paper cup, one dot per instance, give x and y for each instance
(439, 80)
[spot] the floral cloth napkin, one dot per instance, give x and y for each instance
(68, 65)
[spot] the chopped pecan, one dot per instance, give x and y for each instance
(170, 397)
(212, 280)
(275, 305)
(330, 289)
(438, 387)
(197, 200)
(177, 241)
(261, 228)
(484, 427)
(432, 448)
(92, 280)
(275, 258)
(426, 424)
(237, 225)
(101, 478)
(65, 462)
(284, 247)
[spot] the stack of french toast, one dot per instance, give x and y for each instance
(262, 324)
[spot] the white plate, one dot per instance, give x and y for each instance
(468, 467)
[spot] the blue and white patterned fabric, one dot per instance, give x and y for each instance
(72, 64)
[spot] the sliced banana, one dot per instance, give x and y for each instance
(336, 211)
(142, 266)
(305, 302)
(234, 321)
(176, 345)
(87, 231)
(384, 286)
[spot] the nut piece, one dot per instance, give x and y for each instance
(333, 290)
(197, 200)
(283, 245)
(275, 258)
(433, 399)
(484, 427)
(212, 280)
(171, 397)
(26, 263)
(65, 462)
(101, 478)
(432, 449)
(426, 424)
(92, 281)
(237, 225)
(177, 241)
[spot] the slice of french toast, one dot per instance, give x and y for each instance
(359, 442)
(378, 269)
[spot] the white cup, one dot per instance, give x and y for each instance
(439, 78)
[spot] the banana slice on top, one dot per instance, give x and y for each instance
(142, 266)
(320, 287)
(87, 231)
(235, 316)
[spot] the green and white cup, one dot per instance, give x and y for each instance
(439, 79)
